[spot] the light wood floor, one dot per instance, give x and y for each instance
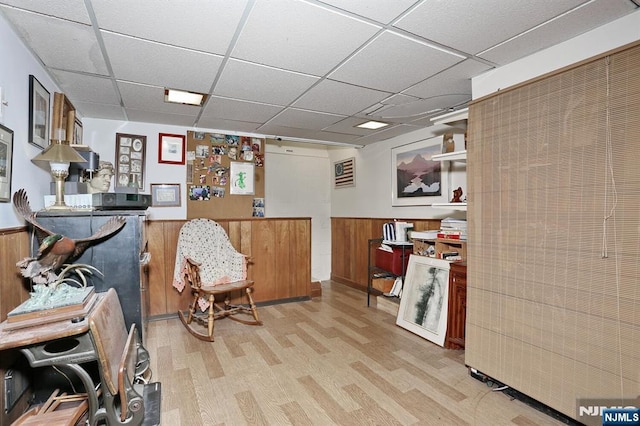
(327, 361)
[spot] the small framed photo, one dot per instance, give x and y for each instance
(77, 132)
(171, 149)
(165, 195)
(6, 156)
(38, 113)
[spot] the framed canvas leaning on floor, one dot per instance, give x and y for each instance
(425, 298)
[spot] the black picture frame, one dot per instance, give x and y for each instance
(39, 113)
(6, 162)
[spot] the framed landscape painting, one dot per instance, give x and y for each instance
(425, 298)
(416, 179)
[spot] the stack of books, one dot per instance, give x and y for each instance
(453, 229)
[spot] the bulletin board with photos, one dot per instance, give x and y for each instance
(225, 176)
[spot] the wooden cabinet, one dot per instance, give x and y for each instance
(457, 310)
(122, 258)
(440, 248)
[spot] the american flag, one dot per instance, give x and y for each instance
(345, 173)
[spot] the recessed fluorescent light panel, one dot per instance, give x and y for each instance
(183, 97)
(373, 125)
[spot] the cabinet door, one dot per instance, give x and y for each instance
(457, 307)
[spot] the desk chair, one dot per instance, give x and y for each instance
(208, 262)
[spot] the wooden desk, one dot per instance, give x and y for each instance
(62, 343)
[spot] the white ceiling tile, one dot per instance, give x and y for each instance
(258, 83)
(334, 137)
(227, 125)
(383, 11)
(292, 117)
(109, 112)
(291, 132)
(348, 126)
(473, 26)
(392, 63)
(60, 44)
(387, 133)
(141, 97)
(420, 107)
(454, 80)
(588, 17)
(146, 116)
(399, 99)
(232, 109)
(341, 98)
(208, 26)
(159, 64)
(299, 36)
(73, 10)
(83, 87)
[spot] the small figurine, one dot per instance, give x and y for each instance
(448, 144)
(457, 196)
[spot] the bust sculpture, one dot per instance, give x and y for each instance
(101, 179)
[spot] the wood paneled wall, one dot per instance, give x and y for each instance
(349, 246)
(280, 252)
(14, 246)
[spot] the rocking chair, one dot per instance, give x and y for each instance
(208, 262)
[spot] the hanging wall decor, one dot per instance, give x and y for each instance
(130, 160)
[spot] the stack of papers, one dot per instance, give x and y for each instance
(424, 235)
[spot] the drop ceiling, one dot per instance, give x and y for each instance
(297, 69)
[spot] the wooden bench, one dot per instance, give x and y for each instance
(126, 395)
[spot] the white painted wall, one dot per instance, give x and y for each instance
(371, 197)
(16, 63)
(297, 184)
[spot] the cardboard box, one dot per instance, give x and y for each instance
(383, 284)
(392, 261)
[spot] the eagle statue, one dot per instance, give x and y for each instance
(56, 250)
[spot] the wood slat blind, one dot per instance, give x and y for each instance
(553, 304)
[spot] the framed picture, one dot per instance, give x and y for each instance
(171, 149)
(6, 159)
(425, 298)
(130, 160)
(416, 179)
(63, 119)
(241, 178)
(165, 195)
(77, 132)
(38, 113)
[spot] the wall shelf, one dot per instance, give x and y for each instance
(451, 156)
(452, 206)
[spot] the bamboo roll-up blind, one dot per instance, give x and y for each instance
(553, 305)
